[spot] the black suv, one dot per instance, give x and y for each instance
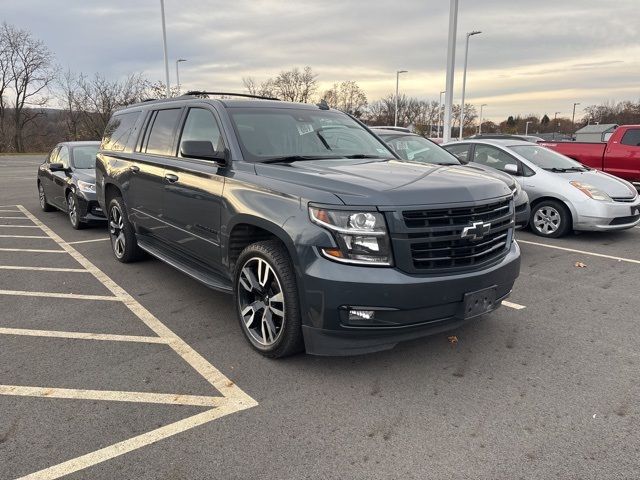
(326, 238)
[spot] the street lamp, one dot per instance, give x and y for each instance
(464, 78)
(451, 60)
(440, 113)
(526, 127)
(555, 120)
(395, 122)
(164, 47)
(480, 126)
(178, 72)
(573, 117)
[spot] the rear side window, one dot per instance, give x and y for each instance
(162, 132)
(118, 131)
(632, 138)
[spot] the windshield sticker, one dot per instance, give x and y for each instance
(304, 128)
(400, 145)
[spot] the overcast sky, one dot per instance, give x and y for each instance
(532, 56)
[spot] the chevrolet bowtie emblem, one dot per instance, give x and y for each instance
(476, 231)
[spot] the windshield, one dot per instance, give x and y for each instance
(272, 133)
(545, 158)
(418, 149)
(85, 157)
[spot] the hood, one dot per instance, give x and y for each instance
(390, 182)
(612, 186)
(85, 174)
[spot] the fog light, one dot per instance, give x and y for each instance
(361, 315)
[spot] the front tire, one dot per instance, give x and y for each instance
(551, 219)
(73, 212)
(123, 238)
(266, 298)
(44, 205)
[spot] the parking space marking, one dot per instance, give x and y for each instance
(233, 399)
(23, 236)
(18, 226)
(43, 269)
(88, 241)
(33, 250)
(77, 296)
(107, 395)
(582, 252)
(9, 211)
(515, 306)
(21, 217)
(82, 335)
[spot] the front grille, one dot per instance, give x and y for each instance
(624, 220)
(624, 199)
(433, 237)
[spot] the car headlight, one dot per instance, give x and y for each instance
(87, 187)
(591, 191)
(517, 190)
(362, 237)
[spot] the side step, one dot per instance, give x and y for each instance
(196, 271)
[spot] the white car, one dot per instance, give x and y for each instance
(564, 194)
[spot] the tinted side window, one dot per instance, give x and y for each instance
(492, 157)
(201, 125)
(63, 156)
(118, 130)
(460, 151)
(632, 138)
(161, 135)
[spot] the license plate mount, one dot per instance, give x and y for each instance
(479, 302)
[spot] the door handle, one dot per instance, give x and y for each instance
(171, 178)
(134, 169)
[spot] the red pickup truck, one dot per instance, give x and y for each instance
(619, 156)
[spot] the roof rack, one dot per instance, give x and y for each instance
(197, 93)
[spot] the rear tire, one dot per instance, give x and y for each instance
(266, 298)
(550, 219)
(123, 238)
(44, 205)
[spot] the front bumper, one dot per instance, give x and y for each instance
(407, 306)
(594, 215)
(523, 213)
(88, 207)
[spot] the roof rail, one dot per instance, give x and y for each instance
(197, 93)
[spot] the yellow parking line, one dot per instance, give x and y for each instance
(583, 252)
(515, 306)
(33, 250)
(82, 335)
(43, 269)
(59, 295)
(113, 396)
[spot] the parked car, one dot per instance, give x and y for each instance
(505, 136)
(619, 156)
(564, 194)
(325, 237)
(67, 182)
(412, 147)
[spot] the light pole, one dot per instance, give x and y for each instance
(395, 122)
(164, 46)
(480, 126)
(451, 60)
(555, 120)
(440, 113)
(178, 73)
(573, 117)
(526, 127)
(464, 78)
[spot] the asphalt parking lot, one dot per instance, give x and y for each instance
(136, 371)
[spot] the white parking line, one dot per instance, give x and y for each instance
(9, 211)
(43, 269)
(82, 335)
(18, 226)
(136, 397)
(582, 252)
(23, 236)
(88, 241)
(23, 293)
(33, 250)
(21, 217)
(515, 306)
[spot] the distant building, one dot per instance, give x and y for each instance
(595, 133)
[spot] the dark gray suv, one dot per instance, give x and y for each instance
(326, 238)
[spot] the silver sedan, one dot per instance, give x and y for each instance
(564, 194)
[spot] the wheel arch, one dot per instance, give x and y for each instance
(537, 201)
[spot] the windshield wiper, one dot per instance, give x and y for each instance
(577, 169)
(362, 155)
(556, 169)
(298, 158)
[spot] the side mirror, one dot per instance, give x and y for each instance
(56, 167)
(511, 168)
(203, 150)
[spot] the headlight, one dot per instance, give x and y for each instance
(362, 237)
(517, 190)
(87, 187)
(591, 191)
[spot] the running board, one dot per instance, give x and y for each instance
(209, 278)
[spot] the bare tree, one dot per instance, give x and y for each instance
(32, 72)
(348, 97)
(293, 85)
(68, 96)
(5, 82)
